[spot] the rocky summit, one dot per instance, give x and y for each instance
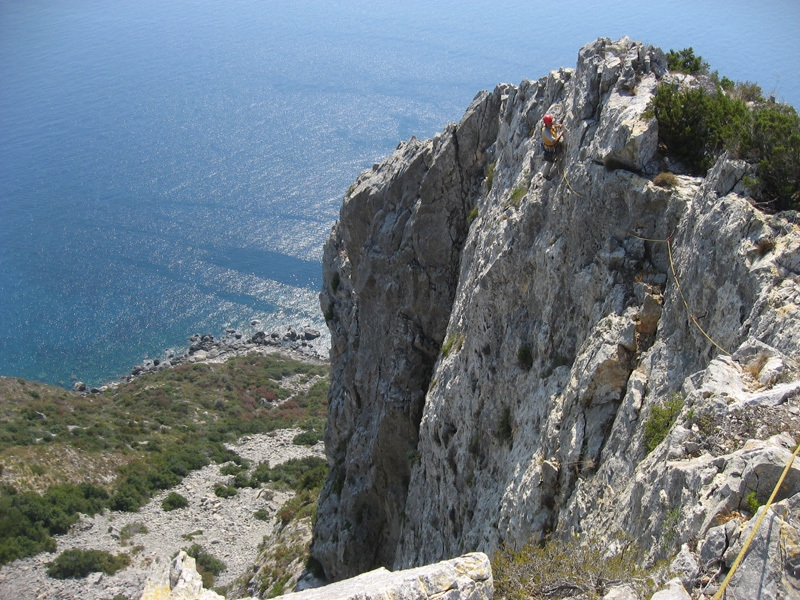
(525, 350)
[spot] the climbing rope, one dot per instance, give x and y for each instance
(569, 185)
(695, 320)
(692, 318)
(752, 535)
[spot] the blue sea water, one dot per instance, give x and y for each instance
(171, 167)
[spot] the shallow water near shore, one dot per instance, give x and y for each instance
(174, 168)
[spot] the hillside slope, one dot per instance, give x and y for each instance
(505, 328)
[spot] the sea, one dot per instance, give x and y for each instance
(171, 167)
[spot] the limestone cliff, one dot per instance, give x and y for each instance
(503, 328)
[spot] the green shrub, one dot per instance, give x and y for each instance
(241, 480)
(661, 419)
(308, 438)
(473, 214)
(174, 501)
(752, 503)
(453, 342)
(224, 491)
(208, 565)
(303, 504)
(774, 145)
(695, 125)
(685, 61)
(76, 563)
(261, 514)
(232, 469)
(296, 473)
(490, 175)
(517, 194)
(127, 499)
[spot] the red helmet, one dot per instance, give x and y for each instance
(548, 120)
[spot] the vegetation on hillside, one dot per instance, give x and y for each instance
(155, 430)
(76, 563)
(696, 125)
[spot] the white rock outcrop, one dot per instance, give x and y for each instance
(468, 577)
(504, 327)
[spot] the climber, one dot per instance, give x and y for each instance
(551, 136)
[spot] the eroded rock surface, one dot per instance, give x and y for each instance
(503, 328)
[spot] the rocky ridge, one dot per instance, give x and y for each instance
(503, 329)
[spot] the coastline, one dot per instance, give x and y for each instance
(301, 343)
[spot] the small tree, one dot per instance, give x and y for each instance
(685, 61)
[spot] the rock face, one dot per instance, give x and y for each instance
(503, 328)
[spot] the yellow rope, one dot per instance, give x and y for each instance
(686, 304)
(752, 535)
(564, 175)
(692, 318)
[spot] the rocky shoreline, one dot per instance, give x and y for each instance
(301, 343)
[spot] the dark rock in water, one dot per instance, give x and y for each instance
(79, 387)
(259, 337)
(137, 370)
(311, 334)
(290, 335)
(230, 330)
(204, 342)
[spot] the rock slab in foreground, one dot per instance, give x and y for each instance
(467, 577)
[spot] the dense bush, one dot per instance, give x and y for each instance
(774, 145)
(76, 563)
(696, 126)
(207, 564)
(308, 438)
(303, 504)
(28, 519)
(685, 61)
(224, 491)
(174, 501)
(261, 514)
(297, 473)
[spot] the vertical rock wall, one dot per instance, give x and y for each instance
(390, 274)
(499, 343)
